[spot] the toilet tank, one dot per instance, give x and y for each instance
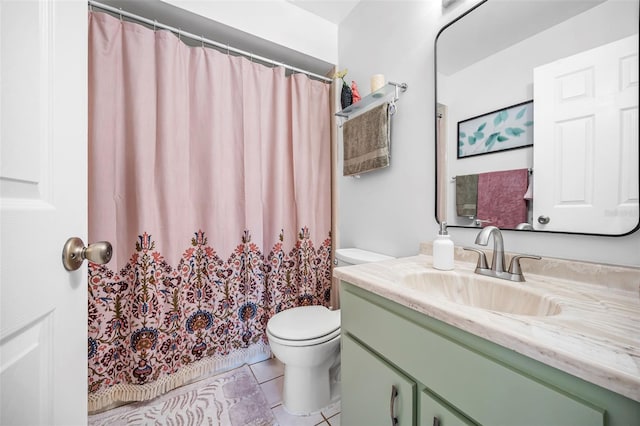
(351, 256)
(355, 256)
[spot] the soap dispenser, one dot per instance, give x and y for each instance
(443, 250)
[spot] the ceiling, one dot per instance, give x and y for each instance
(331, 10)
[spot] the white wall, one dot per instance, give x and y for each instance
(274, 29)
(392, 210)
(276, 21)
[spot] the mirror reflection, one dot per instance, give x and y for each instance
(537, 125)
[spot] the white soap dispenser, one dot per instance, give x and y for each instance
(443, 250)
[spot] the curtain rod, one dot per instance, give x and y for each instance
(182, 33)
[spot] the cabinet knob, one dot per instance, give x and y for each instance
(392, 409)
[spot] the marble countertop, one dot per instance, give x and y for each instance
(596, 336)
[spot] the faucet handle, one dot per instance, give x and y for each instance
(514, 266)
(482, 258)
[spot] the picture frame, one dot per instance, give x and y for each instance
(500, 130)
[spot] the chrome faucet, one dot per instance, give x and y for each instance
(514, 273)
(497, 262)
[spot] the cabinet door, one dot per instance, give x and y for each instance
(368, 386)
(436, 412)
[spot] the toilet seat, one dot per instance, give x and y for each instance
(304, 326)
(307, 342)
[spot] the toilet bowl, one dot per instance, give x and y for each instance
(306, 340)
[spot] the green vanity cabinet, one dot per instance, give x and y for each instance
(436, 412)
(460, 378)
(377, 392)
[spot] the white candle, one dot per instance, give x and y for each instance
(377, 81)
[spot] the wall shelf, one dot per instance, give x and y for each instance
(373, 99)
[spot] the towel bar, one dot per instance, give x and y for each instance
(453, 178)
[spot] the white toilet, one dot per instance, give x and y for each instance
(306, 340)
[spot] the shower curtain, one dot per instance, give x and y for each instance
(210, 175)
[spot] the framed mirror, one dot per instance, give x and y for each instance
(537, 117)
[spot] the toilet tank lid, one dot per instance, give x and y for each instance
(355, 256)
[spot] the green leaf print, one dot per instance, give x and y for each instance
(482, 126)
(500, 117)
(492, 138)
(514, 131)
(472, 140)
(489, 143)
(478, 135)
(528, 123)
(502, 138)
(521, 113)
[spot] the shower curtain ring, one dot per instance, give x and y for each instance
(227, 49)
(202, 40)
(179, 34)
(120, 14)
(155, 23)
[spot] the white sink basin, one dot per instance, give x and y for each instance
(481, 292)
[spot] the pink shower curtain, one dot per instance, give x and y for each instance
(210, 175)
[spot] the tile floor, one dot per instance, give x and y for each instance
(269, 374)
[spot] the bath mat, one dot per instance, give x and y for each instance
(233, 398)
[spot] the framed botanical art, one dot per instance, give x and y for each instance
(500, 130)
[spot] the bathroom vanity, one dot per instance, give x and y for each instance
(418, 346)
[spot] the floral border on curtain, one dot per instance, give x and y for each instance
(154, 326)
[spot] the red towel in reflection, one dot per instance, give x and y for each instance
(501, 197)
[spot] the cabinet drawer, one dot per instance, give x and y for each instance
(367, 385)
(488, 391)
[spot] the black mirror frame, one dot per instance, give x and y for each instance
(435, 104)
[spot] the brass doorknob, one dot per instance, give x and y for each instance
(74, 252)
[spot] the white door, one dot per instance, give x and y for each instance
(43, 201)
(586, 140)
